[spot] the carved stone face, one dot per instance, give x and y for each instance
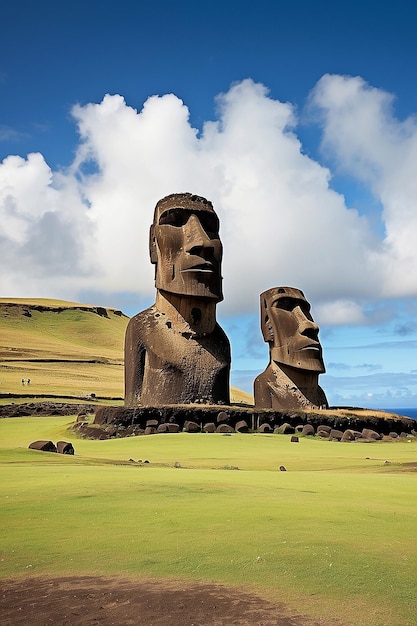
(186, 247)
(290, 330)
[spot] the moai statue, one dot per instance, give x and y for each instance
(291, 379)
(175, 352)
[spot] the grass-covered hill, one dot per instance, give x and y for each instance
(64, 348)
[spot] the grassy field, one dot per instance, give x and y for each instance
(333, 536)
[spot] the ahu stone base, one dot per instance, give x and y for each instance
(118, 421)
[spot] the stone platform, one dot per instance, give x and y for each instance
(118, 421)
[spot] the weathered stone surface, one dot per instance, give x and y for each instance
(241, 427)
(172, 427)
(335, 435)
(191, 427)
(175, 352)
(224, 428)
(291, 379)
(285, 429)
(324, 428)
(42, 444)
(65, 447)
(222, 416)
(122, 422)
(150, 430)
(368, 433)
(308, 430)
(210, 427)
(265, 428)
(348, 435)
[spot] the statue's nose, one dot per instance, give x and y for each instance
(197, 237)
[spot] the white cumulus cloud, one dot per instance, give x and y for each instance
(281, 222)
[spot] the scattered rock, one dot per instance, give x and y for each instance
(282, 468)
(225, 429)
(368, 433)
(65, 447)
(308, 430)
(265, 428)
(191, 427)
(45, 446)
(285, 429)
(294, 439)
(222, 417)
(241, 427)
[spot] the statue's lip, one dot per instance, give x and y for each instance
(311, 346)
(200, 267)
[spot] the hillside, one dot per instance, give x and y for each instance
(64, 348)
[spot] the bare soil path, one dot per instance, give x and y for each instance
(76, 601)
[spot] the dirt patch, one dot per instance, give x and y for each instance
(75, 601)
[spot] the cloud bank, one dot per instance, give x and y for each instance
(86, 227)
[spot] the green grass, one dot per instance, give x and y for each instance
(332, 536)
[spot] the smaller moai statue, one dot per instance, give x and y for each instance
(175, 351)
(291, 379)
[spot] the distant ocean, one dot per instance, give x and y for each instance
(407, 412)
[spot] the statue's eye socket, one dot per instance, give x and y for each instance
(209, 222)
(289, 304)
(174, 217)
(179, 217)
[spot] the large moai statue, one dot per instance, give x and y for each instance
(291, 379)
(175, 352)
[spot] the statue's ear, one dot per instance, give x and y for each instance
(152, 245)
(266, 326)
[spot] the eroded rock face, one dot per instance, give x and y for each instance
(175, 352)
(291, 379)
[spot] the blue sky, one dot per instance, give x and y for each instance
(297, 120)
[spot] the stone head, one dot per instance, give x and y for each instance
(185, 246)
(290, 330)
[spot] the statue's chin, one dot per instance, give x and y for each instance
(193, 288)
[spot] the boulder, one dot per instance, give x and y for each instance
(224, 428)
(172, 427)
(323, 433)
(65, 447)
(285, 429)
(368, 433)
(308, 430)
(241, 427)
(265, 428)
(191, 427)
(45, 446)
(324, 428)
(210, 427)
(150, 430)
(348, 435)
(335, 435)
(222, 417)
